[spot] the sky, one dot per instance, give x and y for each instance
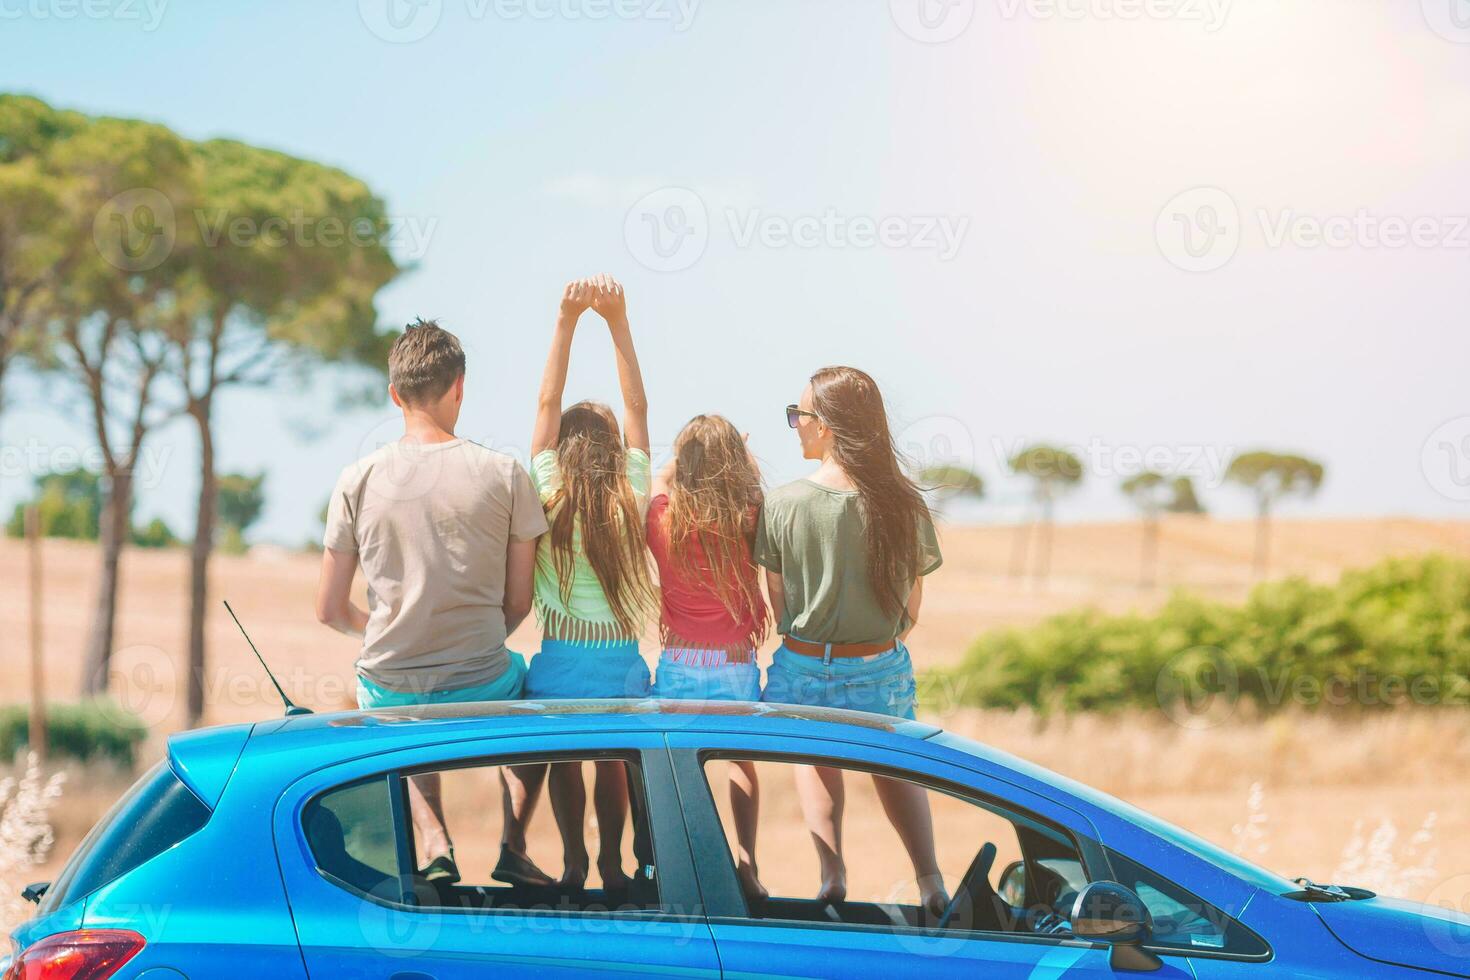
(1158, 232)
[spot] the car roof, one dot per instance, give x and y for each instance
(299, 741)
(508, 717)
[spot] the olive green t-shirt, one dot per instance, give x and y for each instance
(813, 537)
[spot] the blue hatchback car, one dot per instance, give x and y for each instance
(286, 849)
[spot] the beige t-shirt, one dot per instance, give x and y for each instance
(431, 525)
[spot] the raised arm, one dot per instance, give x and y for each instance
(574, 301)
(611, 305)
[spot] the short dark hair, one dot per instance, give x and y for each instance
(424, 361)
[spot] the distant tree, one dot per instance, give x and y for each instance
(1052, 471)
(154, 534)
(107, 323)
(1270, 477)
(944, 483)
(241, 500)
(1155, 494)
(38, 240)
(286, 277)
(68, 505)
(1185, 500)
(1151, 493)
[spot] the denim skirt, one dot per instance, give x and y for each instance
(883, 684)
(568, 669)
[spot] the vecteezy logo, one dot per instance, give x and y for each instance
(135, 230)
(1450, 19)
(932, 21)
(1198, 688)
(1445, 459)
(1448, 933)
(1199, 230)
(667, 230)
(401, 21)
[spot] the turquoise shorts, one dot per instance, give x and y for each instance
(682, 681)
(506, 687)
(567, 669)
(883, 684)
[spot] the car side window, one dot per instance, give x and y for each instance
(352, 837)
(158, 812)
(985, 850)
(366, 838)
(1181, 920)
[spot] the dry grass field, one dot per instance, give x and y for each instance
(1321, 780)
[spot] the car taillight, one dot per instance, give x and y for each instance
(86, 954)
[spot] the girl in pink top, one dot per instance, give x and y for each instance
(701, 522)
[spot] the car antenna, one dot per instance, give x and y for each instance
(291, 709)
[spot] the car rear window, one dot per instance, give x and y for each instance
(154, 815)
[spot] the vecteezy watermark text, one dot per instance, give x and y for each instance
(147, 13)
(668, 230)
(1201, 229)
(407, 21)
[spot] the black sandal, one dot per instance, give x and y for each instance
(442, 870)
(517, 869)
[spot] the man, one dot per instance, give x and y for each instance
(445, 532)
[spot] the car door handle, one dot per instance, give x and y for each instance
(410, 976)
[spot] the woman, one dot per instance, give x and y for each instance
(712, 618)
(593, 588)
(845, 552)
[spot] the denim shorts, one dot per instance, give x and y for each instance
(506, 687)
(567, 669)
(883, 684)
(677, 680)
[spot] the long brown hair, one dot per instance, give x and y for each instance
(596, 499)
(713, 501)
(848, 402)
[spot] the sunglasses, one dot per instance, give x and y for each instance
(794, 415)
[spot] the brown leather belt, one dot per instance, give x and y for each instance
(839, 650)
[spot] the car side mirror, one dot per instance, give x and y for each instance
(35, 891)
(1106, 912)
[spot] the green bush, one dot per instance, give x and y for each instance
(87, 731)
(1395, 633)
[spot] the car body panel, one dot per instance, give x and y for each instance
(223, 873)
(1301, 946)
(1403, 933)
(205, 759)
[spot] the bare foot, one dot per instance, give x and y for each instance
(933, 899)
(750, 883)
(613, 878)
(834, 888)
(574, 872)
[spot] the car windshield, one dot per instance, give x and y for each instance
(1232, 864)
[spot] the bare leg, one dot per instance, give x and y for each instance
(745, 805)
(822, 797)
(610, 802)
(907, 807)
(569, 802)
(520, 791)
(426, 809)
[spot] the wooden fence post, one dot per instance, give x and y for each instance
(38, 681)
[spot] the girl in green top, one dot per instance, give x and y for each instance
(845, 552)
(593, 588)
